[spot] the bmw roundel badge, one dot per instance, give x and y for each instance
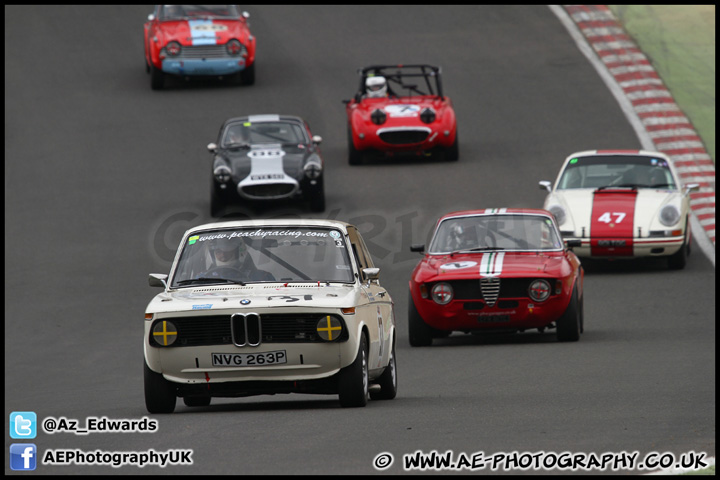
(244, 301)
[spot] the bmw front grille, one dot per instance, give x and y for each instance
(246, 329)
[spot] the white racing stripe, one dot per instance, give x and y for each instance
(491, 264)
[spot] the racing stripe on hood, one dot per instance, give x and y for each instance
(266, 165)
(611, 224)
(266, 168)
(202, 32)
(491, 264)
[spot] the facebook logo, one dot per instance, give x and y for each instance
(23, 425)
(22, 456)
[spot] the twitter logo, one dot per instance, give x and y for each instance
(23, 425)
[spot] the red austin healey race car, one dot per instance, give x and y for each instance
(401, 109)
(503, 270)
(199, 40)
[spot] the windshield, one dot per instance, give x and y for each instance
(488, 232)
(175, 12)
(599, 171)
(254, 254)
(248, 133)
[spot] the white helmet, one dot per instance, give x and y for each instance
(376, 87)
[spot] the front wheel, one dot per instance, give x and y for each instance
(388, 380)
(160, 395)
(569, 325)
(419, 333)
(216, 203)
(316, 197)
(355, 156)
(157, 78)
(247, 76)
(453, 153)
(353, 384)
(678, 260)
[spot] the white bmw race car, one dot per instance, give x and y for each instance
(266, 307)
(622, 204)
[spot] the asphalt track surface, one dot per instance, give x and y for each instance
(102, 176)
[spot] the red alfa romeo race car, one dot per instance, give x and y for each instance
(502, 270)
(199, 40)
(400, 109)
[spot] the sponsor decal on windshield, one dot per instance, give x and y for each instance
(261, 233)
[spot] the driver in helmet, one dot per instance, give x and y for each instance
(462, 237)
(376, 87)
(230, 259)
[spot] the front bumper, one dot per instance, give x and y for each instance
(204, 66)
(628, 247)
(193, 365)
(469, 315)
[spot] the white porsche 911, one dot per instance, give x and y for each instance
(266, 307)
(622, 204)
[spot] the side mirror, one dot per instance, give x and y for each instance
(573, 242)
(372, 274)
(317, 139)
(545, 185)
(212, 147)
(418, 247)
(691, 187)
(346, 102)
(158, 280)
(151, 17)
(245, 15)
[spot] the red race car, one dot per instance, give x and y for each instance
(401, 109)
(199, 40)
(502, 270)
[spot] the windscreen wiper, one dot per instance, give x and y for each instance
(476, 249)
(210, 280)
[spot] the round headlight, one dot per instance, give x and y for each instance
(222, 174)
(173, 49)
(234, 47)
(378, 117)
(427, 115)
(442, 293)
(164, 333)
(559, 214)
(539, 290)
(669, 215)
(312, 170)
(329, 328)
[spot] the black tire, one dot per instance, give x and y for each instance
(157, 78)
(216, 203)
(678, 260)
(198, 401)
(353, 384)
(160, 395)
(420, 334)
(355, 156)
(452, 154)
(247, 76)
(388, 380)
(316, 197)
(569, 324)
